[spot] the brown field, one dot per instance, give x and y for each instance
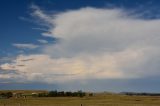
(103, 99)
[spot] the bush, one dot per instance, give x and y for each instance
(6, 95)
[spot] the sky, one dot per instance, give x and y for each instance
(90, 45)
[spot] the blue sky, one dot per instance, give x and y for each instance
(99, 44)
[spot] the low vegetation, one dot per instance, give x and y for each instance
(60, 98)
(6, 95)
(61, 94)
(55, 93)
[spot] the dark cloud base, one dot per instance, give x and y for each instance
(117, 85)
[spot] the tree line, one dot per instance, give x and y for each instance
(62, 94)
(54, 93)
(140, 94)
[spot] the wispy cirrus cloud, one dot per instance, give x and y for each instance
(38, 13)
(42, 41)
(25, 46)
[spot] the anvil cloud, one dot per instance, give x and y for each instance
(93, 44)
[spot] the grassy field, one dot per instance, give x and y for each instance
(96, 100)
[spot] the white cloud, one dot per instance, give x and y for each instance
(38, 13)
(94, 44)
(2, 76)
(41, 29)
(84, 67)
(25, 46)
(37, 67)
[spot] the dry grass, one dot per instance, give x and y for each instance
(97, 100)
